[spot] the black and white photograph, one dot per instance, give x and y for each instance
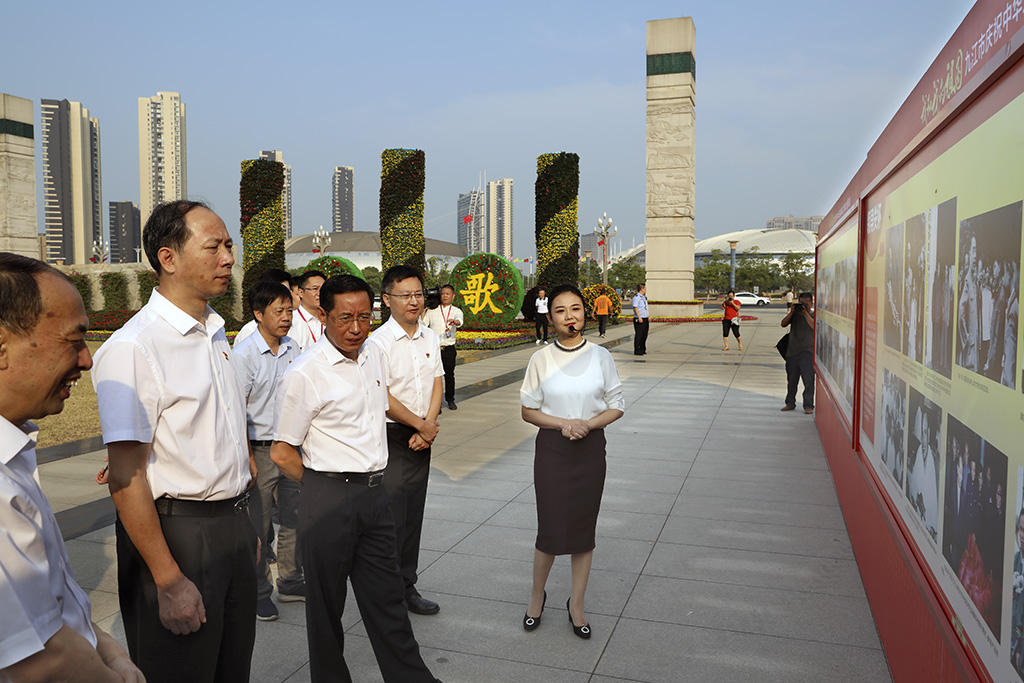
(893, 306)
(892, 426)
(835, 356)
(1017, 585)
(974, 520)
(914, 298)
(837, 286)
(988, 294)
(938, 342)
(923, 441)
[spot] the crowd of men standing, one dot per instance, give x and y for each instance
(200, 440)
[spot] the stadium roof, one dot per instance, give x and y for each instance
(766, 241)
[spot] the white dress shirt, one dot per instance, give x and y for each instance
(333, 407)
(441, 320)
(260, 371)
(306, 328)
(38, 592)
(413, 363)
(166, 379)
(578, 385)
(245, 332)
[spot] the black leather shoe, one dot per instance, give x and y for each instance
(452, 406)
(420, 605)
(580, 631)
(530, 623)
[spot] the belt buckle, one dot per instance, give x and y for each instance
(242, 504)
(375, 479)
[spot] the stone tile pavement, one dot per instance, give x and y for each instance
(722, 554)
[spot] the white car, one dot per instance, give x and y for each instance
(750, 299)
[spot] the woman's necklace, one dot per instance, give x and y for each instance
(572, 349)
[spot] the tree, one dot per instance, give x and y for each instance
(590, 273)
(626, 274)
(754, 269)
(797, 269)
(437, 272)
(713, 276)
(373, 276)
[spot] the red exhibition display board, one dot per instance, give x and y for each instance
(919, 351)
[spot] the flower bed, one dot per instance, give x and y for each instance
(492, 339)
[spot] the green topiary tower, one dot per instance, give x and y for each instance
(402, 180)
(259, 195)
(558, 240)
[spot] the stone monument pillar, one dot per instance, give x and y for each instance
(18, 224)
(671, 74)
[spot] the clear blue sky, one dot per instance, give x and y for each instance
(790, 95)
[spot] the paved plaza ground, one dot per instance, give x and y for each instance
(722, 554)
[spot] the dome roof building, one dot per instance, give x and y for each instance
(361, 248)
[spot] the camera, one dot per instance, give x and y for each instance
(798, 308)
(433, 297)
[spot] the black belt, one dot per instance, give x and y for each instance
(371, 479)
(264, 444)
(176, 507)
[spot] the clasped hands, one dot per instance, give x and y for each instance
(424, 436)
(575, 430)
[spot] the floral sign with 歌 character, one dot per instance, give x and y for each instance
(488, 289)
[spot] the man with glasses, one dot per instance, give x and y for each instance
(412, 354)
(306, 326)
(331, 402)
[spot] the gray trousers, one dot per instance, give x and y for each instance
(271, 484)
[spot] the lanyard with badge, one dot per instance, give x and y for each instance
(308, 326)
(447, 324)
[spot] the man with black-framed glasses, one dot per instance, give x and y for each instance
(412, 353)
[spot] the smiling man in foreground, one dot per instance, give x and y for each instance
(46, 633)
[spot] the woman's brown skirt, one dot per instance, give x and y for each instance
(568, 477)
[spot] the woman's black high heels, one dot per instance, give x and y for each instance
(580, 631)
(530, 623)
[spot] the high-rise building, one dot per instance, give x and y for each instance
(125, 233)
(71, 181)
(588, 242)
(471, 221)
(286, 193)
(342, 199)
(791, 223)
(163, 172)
(499, 217)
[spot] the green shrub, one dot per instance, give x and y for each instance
(114, 286)
(81, 283)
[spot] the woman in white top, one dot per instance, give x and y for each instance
(571, 391)
(540, 318)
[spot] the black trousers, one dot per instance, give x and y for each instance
(448, 363)
(540, 320)
(640, 330)
(346, 533)
(602, 324)
(218, 554)
(800, 368)
(406, 482)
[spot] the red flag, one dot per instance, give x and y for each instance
(600, 243)
(468, 219)
(315, 250)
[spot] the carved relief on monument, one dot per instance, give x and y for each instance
(670, 193)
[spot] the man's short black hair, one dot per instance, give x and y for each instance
(300, 281)
(276, 275)
(343, 284)
(166, 227)
(642, 284)
(562, 289)
(263, 294)
(448, 287)
(21, 303)
(806, 294)
(397, 274)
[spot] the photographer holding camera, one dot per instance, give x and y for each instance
(731, 320)
(800, 352)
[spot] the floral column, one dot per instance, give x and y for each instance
(402, 179)
(259, 196)
(558, 240)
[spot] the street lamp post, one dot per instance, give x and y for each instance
(605, 229)
(321, 240)
(732, 259)
(101, 250)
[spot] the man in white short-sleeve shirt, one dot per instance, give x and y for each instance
(445, 320)
(173, 419)
(46, 631)
(412, 353)
(331, 403)
(306, 326)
